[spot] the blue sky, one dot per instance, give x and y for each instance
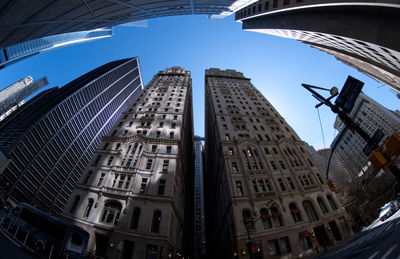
(277, 66)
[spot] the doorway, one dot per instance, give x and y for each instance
(322, 236)
(101, 244)
(335, 231)
(127, 250)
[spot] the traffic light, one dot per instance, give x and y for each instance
(393, 144)
(332, 186)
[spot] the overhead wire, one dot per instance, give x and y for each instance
(322, 130)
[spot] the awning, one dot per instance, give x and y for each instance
(265, 216)
(304, 234)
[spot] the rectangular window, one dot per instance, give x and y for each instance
(134, 163)
(284, 245)
(305, 242)
(239, 188)
(227, 137)
(161, 124)
(171, 135)
(230, 151)
(169, 148)
(153, 148)
(255, 187)
(165, 166)
(173, 125)
(143, 185)
(268, 185)
(291, 184)
(129, 162)
(121, 181)
(161, 187)
(110, 161)
(273, 247)
(273, 165)
(261, 185)
(281, 184)
(234, 167)
(149, 162)
(128, 181)
(101, 179)
(158, 133)
(282, 164)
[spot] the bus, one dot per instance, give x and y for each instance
(47, 235)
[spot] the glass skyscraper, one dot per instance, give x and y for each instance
(20, 51)
(45, 18)
(52, 137)
(14, 94)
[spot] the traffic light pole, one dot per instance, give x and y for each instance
(372, 143)
(249, 241)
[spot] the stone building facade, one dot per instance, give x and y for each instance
(337, 171)
(264, 193)
(132, 197)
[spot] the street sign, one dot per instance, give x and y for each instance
(349, 93)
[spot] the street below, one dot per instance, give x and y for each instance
(379, 240)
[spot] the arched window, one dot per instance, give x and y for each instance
(111, 213)
(74, 204)
(310, 211)
(135, 218)
(295, 212)
(266, 218)
(88, 208)
(276, 217)
(331, 202)
(155, 224)
(322, 205)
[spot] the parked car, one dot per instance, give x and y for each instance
(388, 210)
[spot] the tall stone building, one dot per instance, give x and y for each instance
(22, 20)
(337, 170)
(362, 34)
(264, 192)
(370, 116)
(136, 195)
(51, 138)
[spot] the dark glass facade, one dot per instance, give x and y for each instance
(51, 138)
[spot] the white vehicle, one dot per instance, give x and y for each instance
(388, 210)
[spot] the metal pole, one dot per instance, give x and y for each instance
(249, 242)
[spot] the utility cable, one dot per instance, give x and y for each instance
(322, 130)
